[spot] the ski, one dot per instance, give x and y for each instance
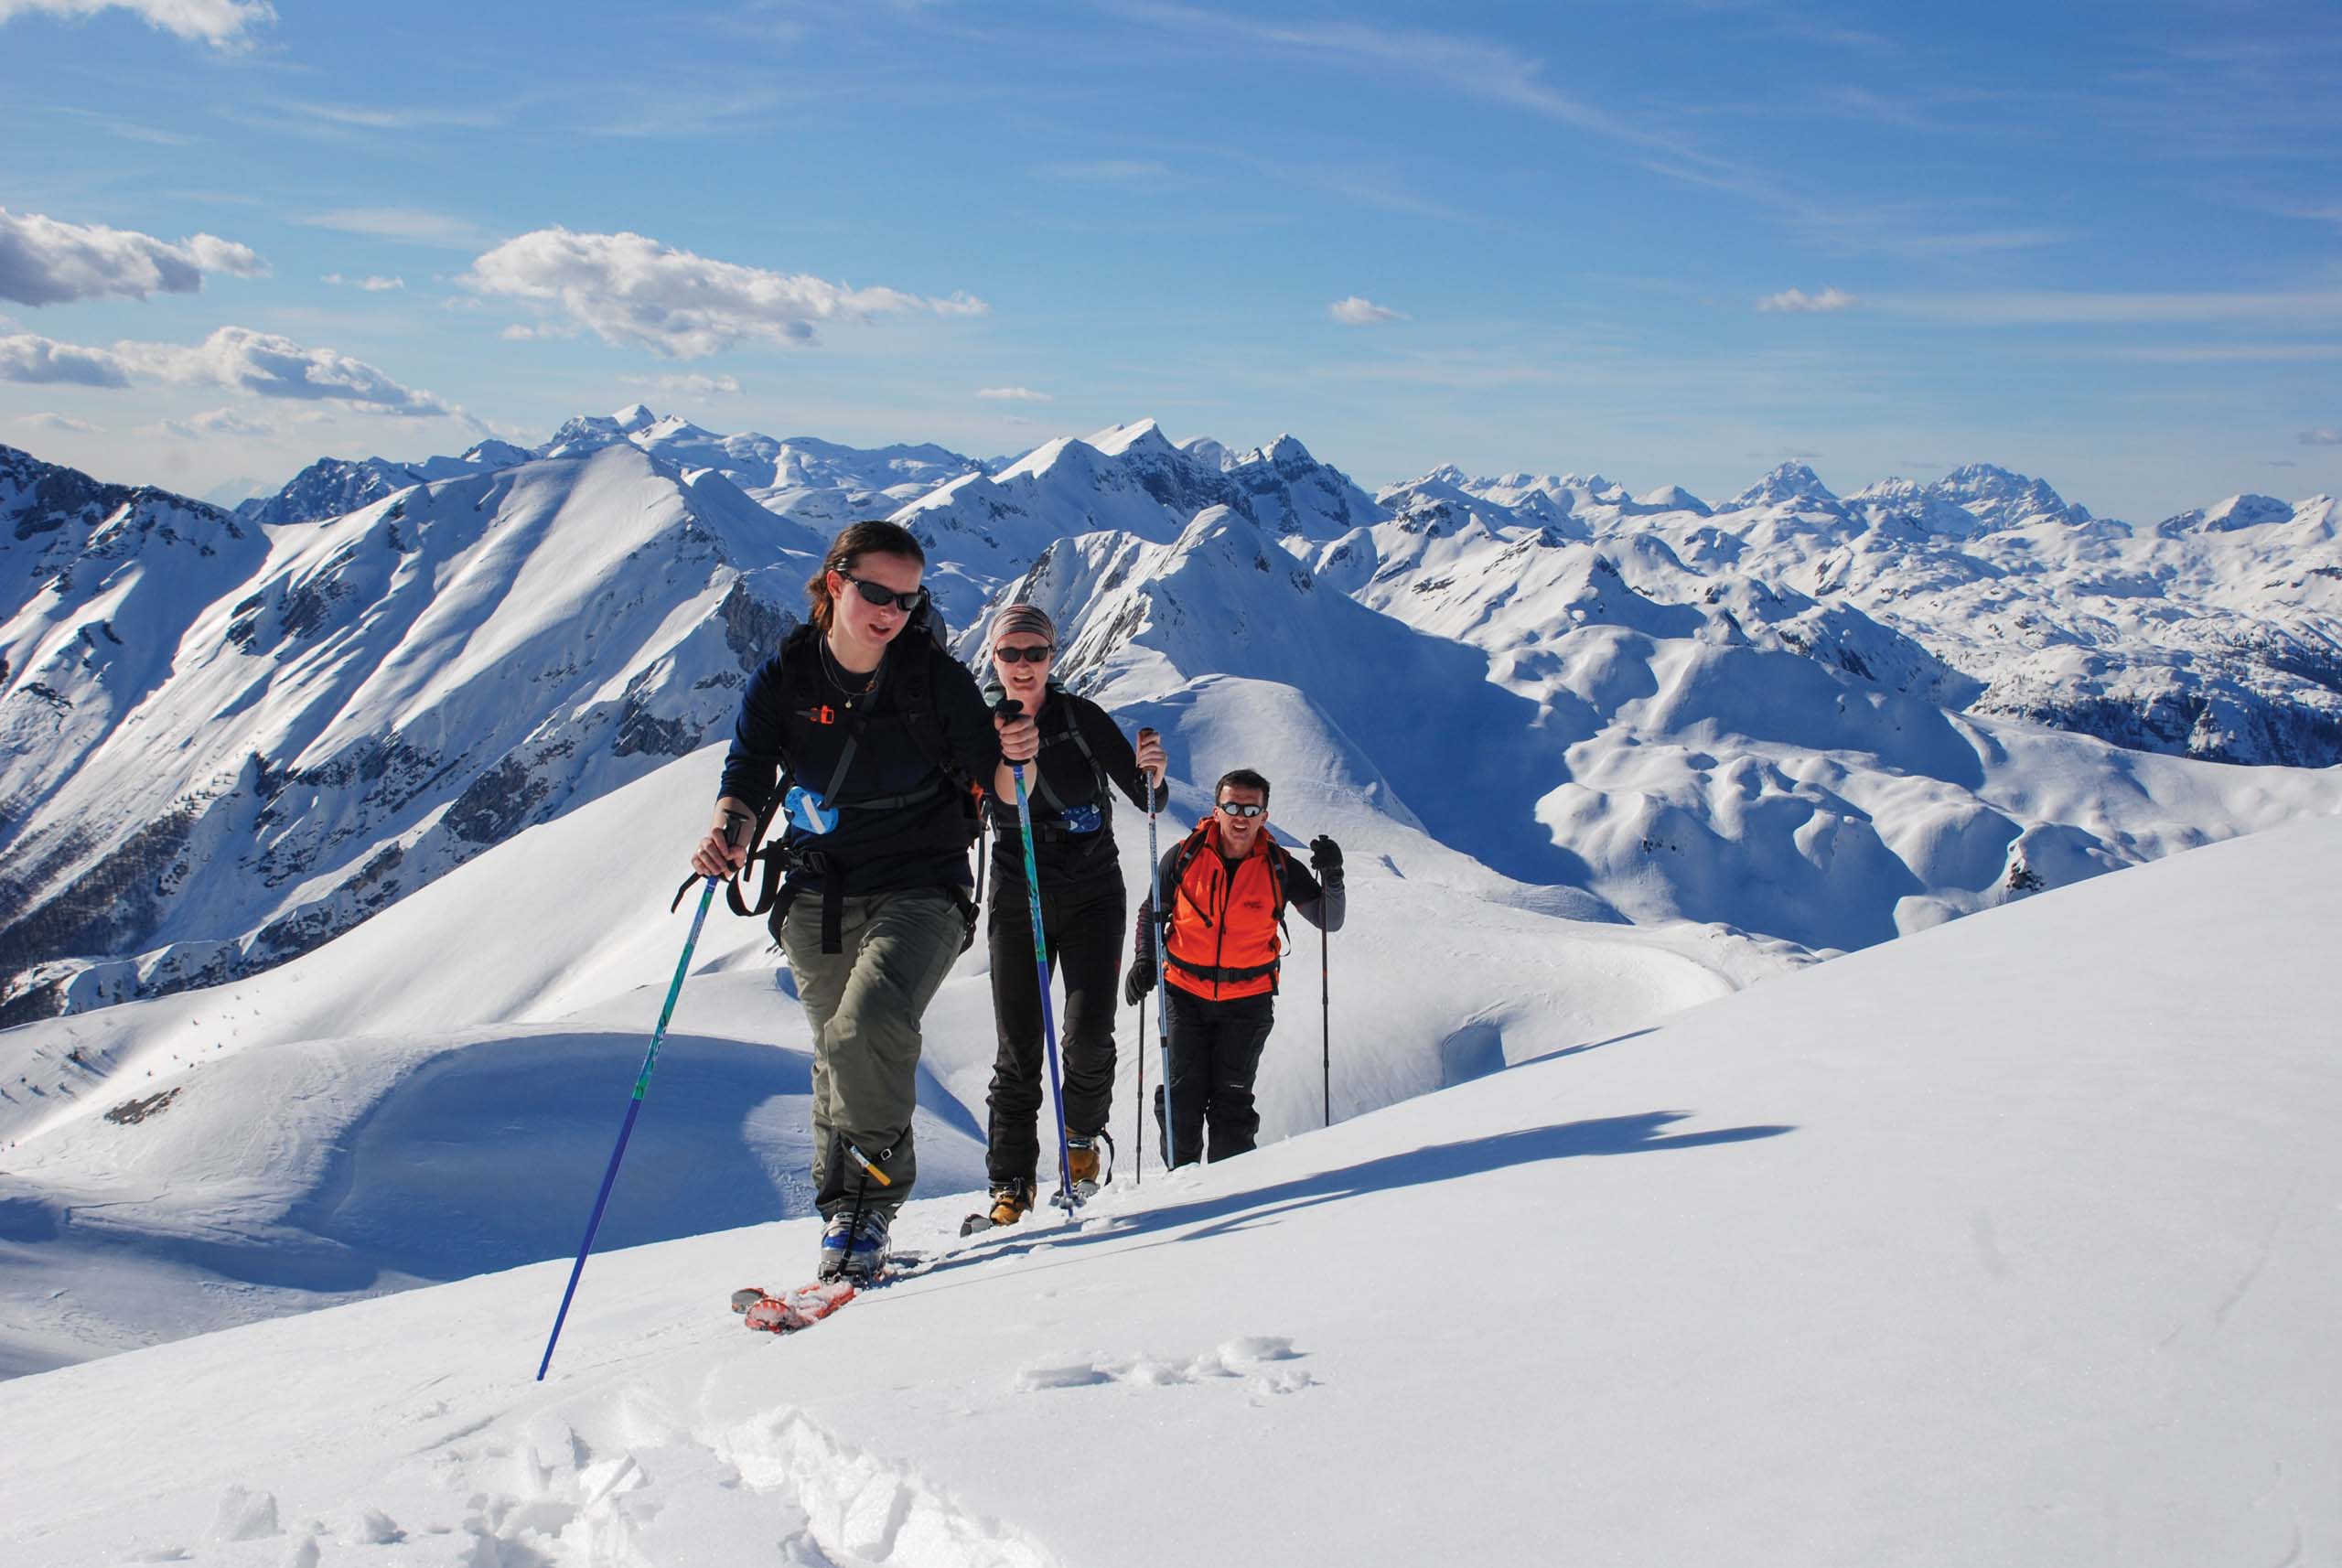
(788, 1310)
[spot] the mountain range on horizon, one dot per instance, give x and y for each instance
(1677, 710)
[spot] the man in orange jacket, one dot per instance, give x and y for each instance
(1228, 884)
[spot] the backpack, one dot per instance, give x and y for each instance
(800, 697)
(1184, 853)
(1038, 779)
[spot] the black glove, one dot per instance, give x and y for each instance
(1325, 855)
(1138, 982)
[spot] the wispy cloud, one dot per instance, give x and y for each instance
(215, 423)
(128, 130)
(1797, 302)
(651, 116)
(1106, 171)
(2322, 437)
(632, 291)
(2222, 353)
(1472, 66)
(371, 285)
(47, 421)
(1013, 395)
(237, 357)
(691, 385)
(1360, 311)
(45, 262)
(222, 24)
(2049, 308)
(404, 117)
(411, 225)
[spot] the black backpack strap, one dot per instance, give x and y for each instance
(1081, 744)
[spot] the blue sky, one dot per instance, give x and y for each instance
(1678, 241)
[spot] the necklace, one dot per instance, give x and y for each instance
(836, 675)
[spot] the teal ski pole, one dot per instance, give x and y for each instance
(626, 1129)
(1065, 1198)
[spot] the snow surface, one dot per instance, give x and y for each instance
(398, 1126)
(2017, 1240)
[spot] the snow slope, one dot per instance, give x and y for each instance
(2018, 1240)
(495, 1019)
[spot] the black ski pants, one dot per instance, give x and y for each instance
(1215, 1056)
(1083, 922)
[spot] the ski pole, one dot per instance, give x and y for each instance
(626, 1129)
(1162, 1008)
(1041, 967)
(1326, 1012)
(1138, 1110)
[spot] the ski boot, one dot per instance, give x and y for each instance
(853, 1249)
(1085, 1171)
(1010, 1199)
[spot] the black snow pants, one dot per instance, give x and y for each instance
(1084, 922)
(1215, 1056)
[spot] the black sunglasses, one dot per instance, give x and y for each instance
(1022, 655)
(1243, 809)
(873, 594)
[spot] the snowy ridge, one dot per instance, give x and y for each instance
(1977, 1247)
(331, 715)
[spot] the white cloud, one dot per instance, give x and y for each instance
(1797, 302)
(219, 23)
(371, 285)
(237, 357)
(692, 385)
(214, 422)
(1012, 394)
(45, 261)
(413, 225)
(633, 291)
(2322, 437)
(25, 357)
(1360, 311)
(60, 421)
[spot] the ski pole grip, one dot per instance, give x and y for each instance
(1008, 708)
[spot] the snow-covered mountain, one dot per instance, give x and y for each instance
(1127, 479)
(2216, 634)
(1781, 715)
(819, 483)
(2013, 1242)
(227, 743)
(333, 485)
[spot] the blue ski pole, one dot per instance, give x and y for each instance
(626, 1129)
(1064, 1198)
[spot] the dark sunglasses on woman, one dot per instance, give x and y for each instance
(1243, 809)
(873, 594)
(1022, 655)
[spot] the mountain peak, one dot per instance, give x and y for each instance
(1143, 436)
(1791, 482)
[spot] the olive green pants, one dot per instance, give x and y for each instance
(864, 1003)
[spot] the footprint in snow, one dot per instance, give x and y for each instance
(1252, 1359)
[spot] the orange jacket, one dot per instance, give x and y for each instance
(1223, 942)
